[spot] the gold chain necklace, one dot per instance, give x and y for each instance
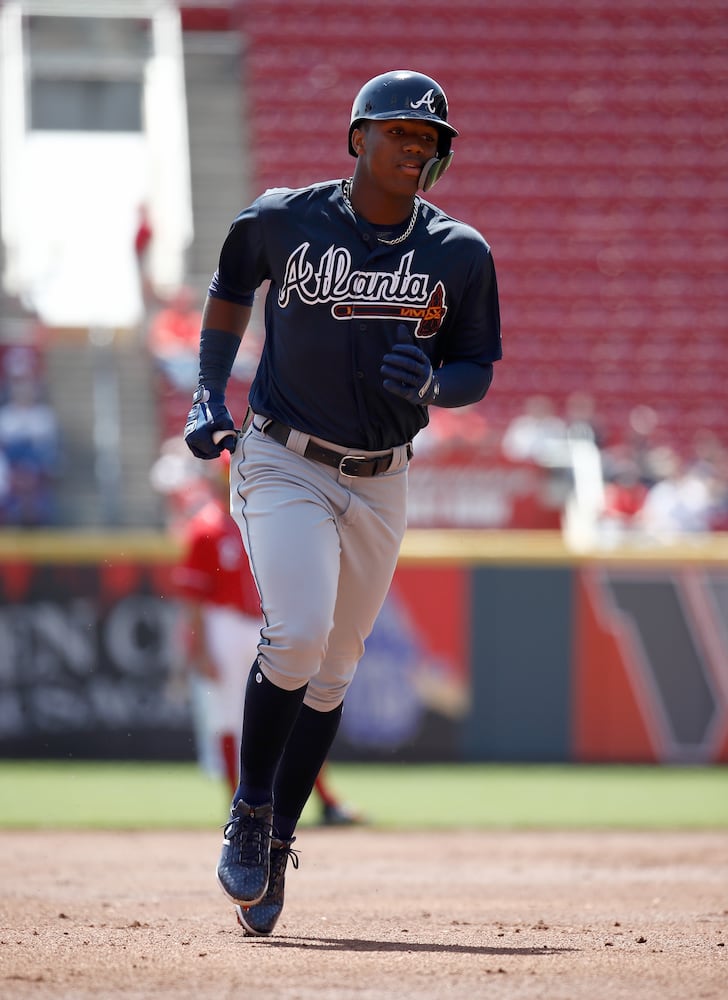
(346, 193)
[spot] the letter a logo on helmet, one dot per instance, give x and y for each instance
(407, 95)
(427, 100)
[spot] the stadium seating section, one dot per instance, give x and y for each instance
(593, 157)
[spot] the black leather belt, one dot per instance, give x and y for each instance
(348, 465)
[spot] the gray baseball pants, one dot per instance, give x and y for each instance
(323, 548)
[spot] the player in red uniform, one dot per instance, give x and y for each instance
(223, 629)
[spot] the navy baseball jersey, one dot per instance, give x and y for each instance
(337, 300)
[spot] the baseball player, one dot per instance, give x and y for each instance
(223, 622)
(222, 618)
(379, 306)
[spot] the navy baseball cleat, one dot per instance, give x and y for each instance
(260, 919)
(244, 864)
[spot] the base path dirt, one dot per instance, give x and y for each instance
(371, 915)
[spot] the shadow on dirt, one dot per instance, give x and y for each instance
(433, 947)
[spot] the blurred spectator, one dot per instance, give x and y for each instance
(173, 338)
(632, 448)
(708, 453)
(679, 503)
(719, 493)
(142, 242)
(709, 463)
(465, 430)
(646, 442)
(624, 496)
(537, 434)
(580, 418)
(29, 444)
(175, 475)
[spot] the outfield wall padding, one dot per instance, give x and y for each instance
(490, 646)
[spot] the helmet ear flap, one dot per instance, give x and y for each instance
(433, 171)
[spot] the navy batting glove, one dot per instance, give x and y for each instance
(207, 422)
(407, 372)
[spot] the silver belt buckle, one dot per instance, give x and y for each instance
(350, 458)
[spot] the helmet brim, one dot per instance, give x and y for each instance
(445, 129)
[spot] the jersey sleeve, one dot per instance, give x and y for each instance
(476, 331)
(243, 264)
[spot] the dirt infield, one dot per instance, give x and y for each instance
(369, 914)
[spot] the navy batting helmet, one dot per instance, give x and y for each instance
(405, 94)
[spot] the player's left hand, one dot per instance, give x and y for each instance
(407, 372)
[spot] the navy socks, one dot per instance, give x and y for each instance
(270, 714)
(305, 753)
(284, 746)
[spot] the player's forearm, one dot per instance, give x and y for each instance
(462, 382)
(223, 324)
(221, 314)
(210, 427)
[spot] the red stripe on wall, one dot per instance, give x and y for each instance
(438, 602)
(608, 724)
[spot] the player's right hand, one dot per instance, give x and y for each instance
(208, 417)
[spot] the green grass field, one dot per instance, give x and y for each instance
(393, 796)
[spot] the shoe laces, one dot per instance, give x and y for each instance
(281, 851)
(249, 836)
